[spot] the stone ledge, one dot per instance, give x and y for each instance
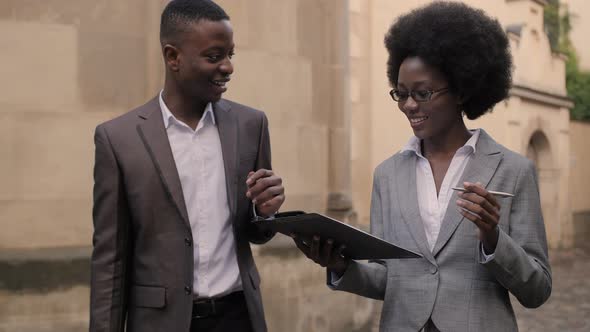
(581, 225)
(45, 269)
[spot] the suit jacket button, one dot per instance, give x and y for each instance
(188, 242)
(433, 270)
(187, 290)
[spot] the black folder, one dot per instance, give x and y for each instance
(358, 244)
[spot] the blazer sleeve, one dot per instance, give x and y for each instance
(108, 285)
(521, 262)
(263, 160)
(367, 279)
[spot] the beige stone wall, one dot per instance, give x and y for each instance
(580, 12)
(65, 67)
(360, 101)
(63, 311)
(580, 181)
(580, 167)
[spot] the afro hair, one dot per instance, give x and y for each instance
(466, 45)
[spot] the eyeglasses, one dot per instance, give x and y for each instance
(420, 96)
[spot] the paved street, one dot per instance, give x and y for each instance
(568, 308)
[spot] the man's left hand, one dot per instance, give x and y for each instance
(266, 191)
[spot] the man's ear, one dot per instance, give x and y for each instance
(171, 57)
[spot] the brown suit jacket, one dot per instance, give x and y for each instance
(142, 262)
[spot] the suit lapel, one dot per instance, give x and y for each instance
(155, 139)
(408, 202)
(227, 125)
(480, 168)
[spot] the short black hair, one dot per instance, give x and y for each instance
(178, 14)
(466, 45)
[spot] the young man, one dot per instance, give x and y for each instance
(177, 183)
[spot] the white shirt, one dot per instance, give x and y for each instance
(199, 162)
(432, 206)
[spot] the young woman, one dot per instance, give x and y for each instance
(448, 61)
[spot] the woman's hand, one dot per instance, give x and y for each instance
(482, 208)
(323, 253)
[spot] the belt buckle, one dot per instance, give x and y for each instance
(212, 312)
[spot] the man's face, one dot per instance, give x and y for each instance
(204, 60)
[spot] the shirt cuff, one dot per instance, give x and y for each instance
(334, 279)
(486, 257)
(271, 217)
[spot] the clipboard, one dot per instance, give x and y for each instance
(359, 244)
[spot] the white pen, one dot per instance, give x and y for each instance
(497, 193)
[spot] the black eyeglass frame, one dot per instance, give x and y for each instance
(412, 94)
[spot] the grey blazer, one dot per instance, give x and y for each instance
(142, 262)
(450, 284)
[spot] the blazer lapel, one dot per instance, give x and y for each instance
(408, 202)
(481, 168)
(155, 139)
(227, 125)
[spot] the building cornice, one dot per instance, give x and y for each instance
(541, 96)
(540, 2)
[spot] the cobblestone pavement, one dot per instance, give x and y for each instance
(568, 308)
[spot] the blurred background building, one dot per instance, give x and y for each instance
(316, 67)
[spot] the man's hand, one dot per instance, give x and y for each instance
(325, 253)
(266, 191)
(482, 208)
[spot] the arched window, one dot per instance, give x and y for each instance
(539, 151)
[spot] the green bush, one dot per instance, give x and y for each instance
(578, 89)
(558, 28)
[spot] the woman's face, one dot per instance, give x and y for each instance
(433, 118)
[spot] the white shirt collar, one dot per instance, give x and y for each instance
(167, 114)
(413, 144)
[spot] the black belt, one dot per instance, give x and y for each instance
(203, 308)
